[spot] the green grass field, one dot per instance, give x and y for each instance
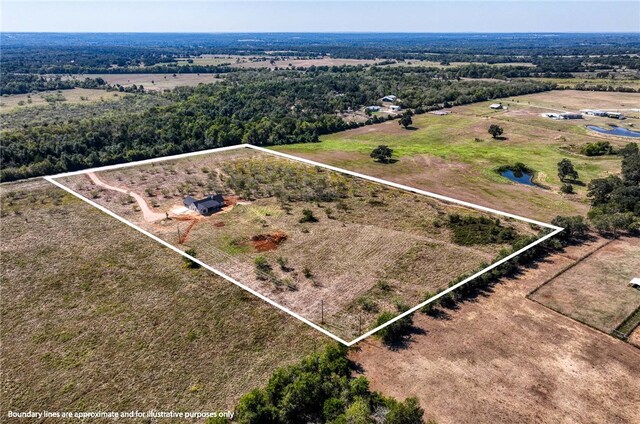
(455, 155)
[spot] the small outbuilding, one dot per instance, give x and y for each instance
(635, 283)
(496, 106)
(615, 115)
(208, 205)
(373, 108)
(394, 108)
(389, 98)
(569, 115)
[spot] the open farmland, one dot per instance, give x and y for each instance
(73, 96)
(154, 82)
(335, 249)
(596, 291)
(504, 358)
(96, 316)
(455, 156)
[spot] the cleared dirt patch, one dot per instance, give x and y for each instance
(266, 242)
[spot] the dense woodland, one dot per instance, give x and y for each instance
(257, 107)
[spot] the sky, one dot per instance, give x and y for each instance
(320, 16)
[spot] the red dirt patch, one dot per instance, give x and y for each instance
(265, 242)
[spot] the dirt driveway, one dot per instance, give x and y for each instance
(149, 215)
(506, 359)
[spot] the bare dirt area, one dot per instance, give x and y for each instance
(576, 100)
(596, 291)
(96, 316)
(315, 241)
(504, 358)
(155, 82)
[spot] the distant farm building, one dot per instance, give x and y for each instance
(394, 108)
(204, 206)
(635, 283)
(373, 108)
(615, 115)
(569, 115)
(440, 112)
(496, 106)
(390, 98)
(594, 112)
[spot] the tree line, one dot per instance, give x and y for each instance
(259, 107)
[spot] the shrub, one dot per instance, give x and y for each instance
(396, 331)
(188, 263)
(307, 216)
(567, 188)
(469, 230)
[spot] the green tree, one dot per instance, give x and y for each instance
(382, 153)
(405, 120)
(307, 216)
(495, 130)
(566, 169)
(407, 412)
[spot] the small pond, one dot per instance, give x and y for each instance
(518, 177)
(615, 130)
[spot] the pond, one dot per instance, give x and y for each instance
(518, 177)
(615, 130)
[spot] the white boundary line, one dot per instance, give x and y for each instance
(52, 180)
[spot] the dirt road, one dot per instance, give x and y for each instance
(149, 215)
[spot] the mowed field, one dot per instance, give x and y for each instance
(75, 95)
(154, 82)
(455, 156)
(370, 248)
(503, 358)
(96, 316)
(596, 291)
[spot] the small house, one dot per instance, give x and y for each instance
(394, 108)
(204, 206)
(373, 108)
(496, 106)
(389, 98)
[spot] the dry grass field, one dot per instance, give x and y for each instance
(596, 291)
(155, 82)
(503, 358)
(75, 95)
(454, 155)
(96, 316)
(371, 249)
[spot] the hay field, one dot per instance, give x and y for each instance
(99, 317)
(596, 291)
(454, 155)
(366, 236)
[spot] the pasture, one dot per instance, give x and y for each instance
(154, 82)
(596, 291)
(504, 358)
(98, 317)
(335, 249)
(455, 156)
(72, 96)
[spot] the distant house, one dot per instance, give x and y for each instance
(389, 98)
(496, 106)
(394, 108)
(373, 108)
(569, 115)
(204, 206)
